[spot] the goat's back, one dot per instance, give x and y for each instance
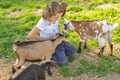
(34, 50)
(91, 29)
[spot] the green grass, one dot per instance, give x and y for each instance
(107, 64)
(17, 27)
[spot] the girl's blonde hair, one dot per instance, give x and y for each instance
(52, 8)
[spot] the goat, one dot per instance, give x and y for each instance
(34, 50)
(34, 72)
(98, 30)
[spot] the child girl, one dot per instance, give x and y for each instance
(48, 26)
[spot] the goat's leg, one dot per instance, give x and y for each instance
(80, 47)
(85, 44)
(14, 69)
(101, 43)
(18, 65)
(13, 66)
(110, 44)
(49, 71)
(111, 48)
(101, 51)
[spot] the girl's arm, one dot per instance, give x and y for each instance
(34, 34)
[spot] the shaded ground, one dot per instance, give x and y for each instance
(5, 67)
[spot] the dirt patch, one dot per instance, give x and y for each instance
(13, 14)
(82, 2)
(18, 13)
(104, 6)
(5, 68)
(37, 12)
(91, 56)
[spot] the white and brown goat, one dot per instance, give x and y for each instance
(34, 50)
(98, 30)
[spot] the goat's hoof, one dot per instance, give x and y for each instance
(99, 54)
(79, 52)
(50, 73)
(13, 70)
(85, 47)
(111, 54)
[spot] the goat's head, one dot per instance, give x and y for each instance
(47, 66)
(67, 25)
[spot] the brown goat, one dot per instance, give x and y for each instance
(34, 50)
(96, 29)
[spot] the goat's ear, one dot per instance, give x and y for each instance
(104, 21)
(65, 19)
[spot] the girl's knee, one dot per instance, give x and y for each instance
(73, 50)
(70, 48)
(62, 62)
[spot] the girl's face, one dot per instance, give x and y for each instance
(54, 18)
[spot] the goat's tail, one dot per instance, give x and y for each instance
(115, 25)
(16, 41)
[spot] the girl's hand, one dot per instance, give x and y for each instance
(52, 37)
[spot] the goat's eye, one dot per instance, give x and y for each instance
(64, 24)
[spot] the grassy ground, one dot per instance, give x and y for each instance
(18, 17)
(85, 66)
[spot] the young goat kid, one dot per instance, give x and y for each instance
(96, 29)
(34, 50)
(34, 72)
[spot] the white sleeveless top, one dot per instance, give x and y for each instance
(47, 29)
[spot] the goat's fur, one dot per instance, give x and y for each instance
(98, 30)
(34, 50)
(34, 72)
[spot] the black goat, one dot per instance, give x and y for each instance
(35, 72)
